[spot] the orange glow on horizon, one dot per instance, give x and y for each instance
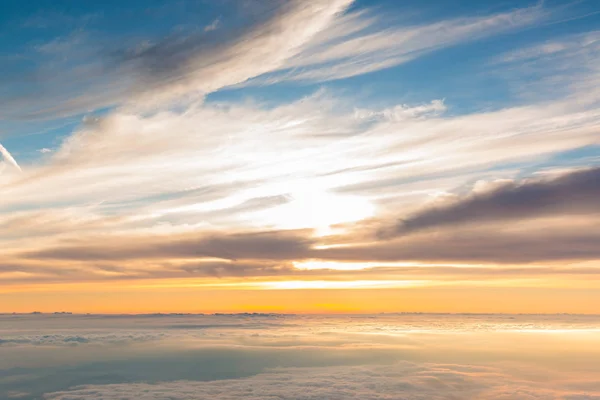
(117, 300)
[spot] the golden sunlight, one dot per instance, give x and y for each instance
(317, 209)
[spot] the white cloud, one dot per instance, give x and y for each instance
(213, 25)
(582, 46)
(297, 40)
(78, 77)
(196, 170)
(215, 147)
(352, 45)
(404, 112)
(560, 67)
(65, 339)
(263, 49)
(8, 157)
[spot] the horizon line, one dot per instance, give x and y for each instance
(216, 314)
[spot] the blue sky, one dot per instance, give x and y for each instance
(86, 34)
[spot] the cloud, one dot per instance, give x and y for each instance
(253, 245)
(357, 43)
(419, 356)
(409, 381)
(485, 254)
(553, 68)
(8, 157)
(213, 25)
(110, 160)
(479, 246)
(580, 46)
(575, 193)
(366, 265)
(138, 193)
(291, 40)
(144, 193)
(17, 395)
(62, 339)
(83, 72)
(198, 65)
(403, 112)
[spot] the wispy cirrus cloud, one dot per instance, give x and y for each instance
(294, 40)
(554, 68)
(253, 245)
(355, 43)
(85, 73)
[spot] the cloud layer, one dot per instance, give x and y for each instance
(383, 356)
(406, 381)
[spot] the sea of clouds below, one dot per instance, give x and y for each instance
(262, 356)
(408, 381)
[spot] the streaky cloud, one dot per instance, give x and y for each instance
(355, 44)
(8, 157)
(271, 245)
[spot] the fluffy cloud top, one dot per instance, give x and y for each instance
(406, 381)
(385, 356)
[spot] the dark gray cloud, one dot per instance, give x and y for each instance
(169, 58)
(237, 269)
(92, 272)
(573, 193)
(271, 253)
(82, 271)
(272, 245)
(482, 246)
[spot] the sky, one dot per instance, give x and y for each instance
(323, 156)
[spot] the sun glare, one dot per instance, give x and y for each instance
(316, 209)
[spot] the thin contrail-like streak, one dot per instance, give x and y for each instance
(8, 157)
